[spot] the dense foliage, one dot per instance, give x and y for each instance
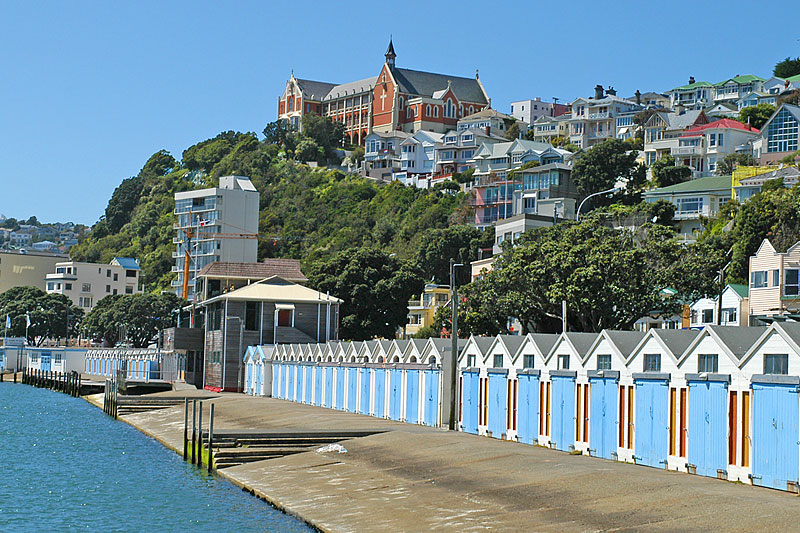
(49, 314)
(138, 316)
(787, 68)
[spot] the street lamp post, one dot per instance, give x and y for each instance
(454, 342)
(239, 357)
(608, 191)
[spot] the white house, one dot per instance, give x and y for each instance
(417, 158)
(693, 199)
(735, 308)
(88, 283)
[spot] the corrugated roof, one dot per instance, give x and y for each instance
(722, 123)
(276, 289)
(128, 263)
(694, 85)
(747, 78)
(288, 269)
(711, 183)
(785, 172)
(738, 339)
(486, 113)
(681, 121)
(420, 83)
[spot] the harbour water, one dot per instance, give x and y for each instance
(66, 465)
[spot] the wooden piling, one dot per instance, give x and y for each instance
(194, 427)
(185, 428)
(200, 433)
(210, 438)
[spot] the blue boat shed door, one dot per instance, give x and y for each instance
(44, 361)
(352, 388)
(319, 370)
(340, 387)
(431, 412)
(395, 391)
(528, 406)
(603, 413)
(498, 402)
(365, 390)
(470, 383)
(775, 432)
(651, 429)
(708, 421)
(412, 396)
(563, 410)
(379, 407)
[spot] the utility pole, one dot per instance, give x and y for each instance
(454, 342)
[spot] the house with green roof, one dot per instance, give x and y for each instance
(735, 308)
(693, 199)
(693, 95)
(733, 89)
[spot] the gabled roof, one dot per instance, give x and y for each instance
(288, 269)
(678, 121)
(741, 80)
(275, 289)
(784, 172)
(544, 342)
(580, 342)
(692, 86)
(736, 340)
(674, 341)
(738, 288)
(415, 345)
(792, 109)
(128, 263)
(315, 90)
(722, 123)
(416, 82)
(708, 184)
(625, 341)
(511, 342)
(486, 113)
(483, 344)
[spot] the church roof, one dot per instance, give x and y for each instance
(353, 87)
(314, 90)
(420, 83)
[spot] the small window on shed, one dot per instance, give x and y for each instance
(563, 362)
(708, 363)
(527, 361)
(380, 359)
(652, 362)
(413, 358)
(604, 362)
(432, 360)
(498, 361)
(396, 359)
(776, 363)
(471, 360)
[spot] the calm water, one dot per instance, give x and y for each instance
(66, 465)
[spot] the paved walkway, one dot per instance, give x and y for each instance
(413, 478)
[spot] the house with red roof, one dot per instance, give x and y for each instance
(702, 147)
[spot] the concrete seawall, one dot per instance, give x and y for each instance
(413, 478)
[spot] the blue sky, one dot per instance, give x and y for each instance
(91, 89)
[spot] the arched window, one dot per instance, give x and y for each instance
(432, 360)
(380, 359)
(396, 359)
(471, 110)
(353, 359)
(460, 110)
(365, 359)
(436, 111)
(413, 358)
(428, 110)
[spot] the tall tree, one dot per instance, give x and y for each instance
(375, 288)
(666, 173)
(438, 245)
(138, 316)
(122, 203)
(276, 132)
(756, 115)
(787, 68)
(48, 314)
(327, 133)
(602, 165)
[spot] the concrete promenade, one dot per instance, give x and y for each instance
(414, 478)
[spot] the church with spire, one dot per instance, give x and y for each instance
(396, 99)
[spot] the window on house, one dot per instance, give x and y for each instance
(776, 363)
(791, 282)
(116, 276)
(68, 286)
(498, 361)
(108, 288)
(708, 316)
(527, 361)
(708, 363)
(652, 362)
(252, 316)
(128, 290)
(604, 362)
(729, 315)
(563, 362)
(758, 279)
(115, 291)
(471, 360)
(108, 272)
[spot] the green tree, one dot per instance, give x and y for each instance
(139, 316)
(48, 314)
(122, 203)
(308, 150)
(512, 132)
(731, 162)
(276, 132)
(437, 246)
(206, 154)
(159, 164)
(602, 165)
(787, 68)
(756, 115)
(327, 133)
(666, 173)
(375, 288)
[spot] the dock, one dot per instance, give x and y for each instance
(415, 478)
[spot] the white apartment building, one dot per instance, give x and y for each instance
(530, 110)
(88, 283)
(417, 158)
(223, 222)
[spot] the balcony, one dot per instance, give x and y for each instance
(686, 150)
(693, 214)
(61, 276)
(598, 116)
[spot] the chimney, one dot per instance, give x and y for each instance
(691, 80)
(487, 129)
(611, 91)
(598, 92)
(679, 109)
(638, 97)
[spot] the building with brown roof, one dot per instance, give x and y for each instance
(220, 277)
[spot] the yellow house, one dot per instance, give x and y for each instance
(422, 310)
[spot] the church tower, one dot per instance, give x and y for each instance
(390, 55)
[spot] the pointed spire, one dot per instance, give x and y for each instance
(390, 54)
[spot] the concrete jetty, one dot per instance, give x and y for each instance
(415, 478)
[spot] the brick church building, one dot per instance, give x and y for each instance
(395, 99)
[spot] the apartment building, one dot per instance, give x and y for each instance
(417, 158)
(216, 224)
(422, 310)
(21, 268)
(382, 154)
(593, 120)
(529, 111)
(88, 283)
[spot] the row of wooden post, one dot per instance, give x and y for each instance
(110, 400)
(66, 382)
(193, 446)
